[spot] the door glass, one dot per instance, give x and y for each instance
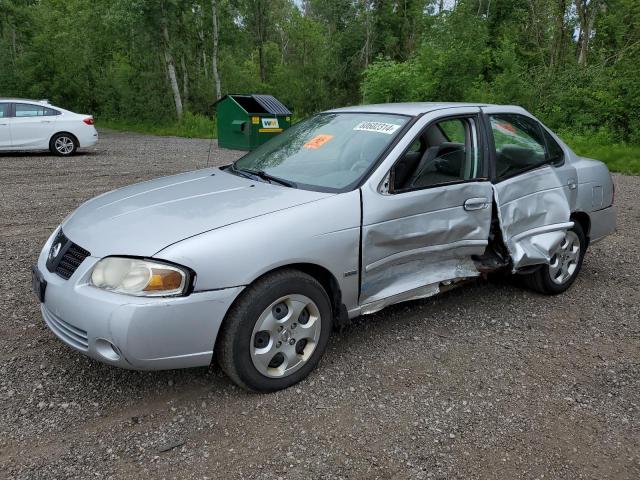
(26, 110)
(4, 110)
(519, 144)
(445, 152)
(555, 155)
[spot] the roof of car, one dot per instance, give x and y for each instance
(11, 99)
(408, 108)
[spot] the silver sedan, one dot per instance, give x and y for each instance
(343, 214)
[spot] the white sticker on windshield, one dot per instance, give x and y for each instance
(380, 127)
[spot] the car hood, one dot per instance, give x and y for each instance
(144, 218)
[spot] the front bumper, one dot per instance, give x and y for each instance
(147, 333)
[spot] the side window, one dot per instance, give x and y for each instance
(4, 110)
(27, 110)
(519, 143)
(445, 152)
(555, 155)
(50, 112)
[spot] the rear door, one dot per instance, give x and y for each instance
(430, 214)
(5, 129)
(32, 126)
(535, 188)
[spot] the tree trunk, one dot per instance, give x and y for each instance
(587, 11)
(171, 70)
(14, 47)
(260, 12)
(185, 80)
(557, 45)
(263, 72)
(214, 55)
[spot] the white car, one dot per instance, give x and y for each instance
(38, 125)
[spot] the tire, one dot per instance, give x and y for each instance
(63, 144)
(257, 345)
(552, 280)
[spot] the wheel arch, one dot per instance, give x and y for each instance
(583, 219)
(324, 276)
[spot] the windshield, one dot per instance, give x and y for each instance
(330, 150)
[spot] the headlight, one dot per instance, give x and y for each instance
(143, 278)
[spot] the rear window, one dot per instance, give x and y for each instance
(4, 110)
(28, 110)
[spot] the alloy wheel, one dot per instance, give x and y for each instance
(64, 145)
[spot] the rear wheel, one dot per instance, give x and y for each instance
(63, 144)
(276, 333)
(564, 267)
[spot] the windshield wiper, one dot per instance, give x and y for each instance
(270, 178)
(261, 174)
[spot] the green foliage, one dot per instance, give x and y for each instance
(619, 156)
(191, 126)
(112, 59)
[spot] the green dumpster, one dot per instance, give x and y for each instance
(247, 121)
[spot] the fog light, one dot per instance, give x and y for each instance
(108, 350)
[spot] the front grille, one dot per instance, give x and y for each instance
(74, 336)
(68, 258)
(71, 260)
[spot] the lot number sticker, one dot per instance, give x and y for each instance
(270, 123)
(379, 127)
(317, 141)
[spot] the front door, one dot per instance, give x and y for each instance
(32, 126)
(535, 187)
(430, 215)
(5, 129)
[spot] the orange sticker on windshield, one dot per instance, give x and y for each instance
(317, 141)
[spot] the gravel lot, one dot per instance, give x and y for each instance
(488, 381)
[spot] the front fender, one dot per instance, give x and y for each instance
(325, 233)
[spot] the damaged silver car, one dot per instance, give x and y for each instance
(343, 214)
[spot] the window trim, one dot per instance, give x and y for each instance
(9, 109)
(482, 173)
(43, 107)
(547, 135)
(493, 152)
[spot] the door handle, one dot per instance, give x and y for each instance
(571, 183)
(45, 121)
(476, 203)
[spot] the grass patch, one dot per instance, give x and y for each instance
(191, 126)
(619, 156)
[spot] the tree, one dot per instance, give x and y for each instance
(587, 11)
(214, 54)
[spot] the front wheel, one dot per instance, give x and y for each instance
(276, 332)
(63, 145)
(564, 267)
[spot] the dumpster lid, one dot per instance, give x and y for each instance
(256, 103)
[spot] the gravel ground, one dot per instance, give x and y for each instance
(487, 381)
